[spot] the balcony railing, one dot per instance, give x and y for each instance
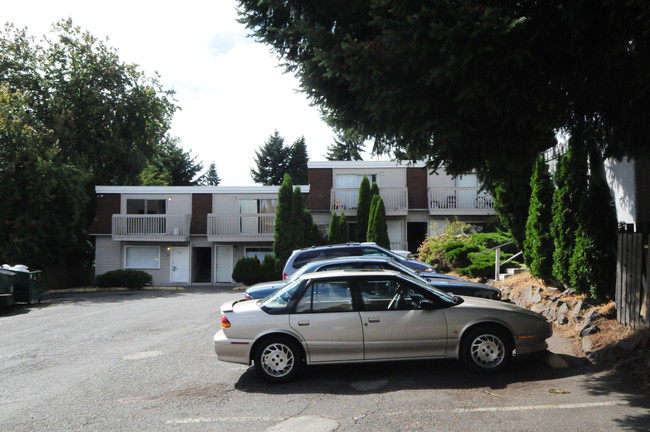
(151, 227)
(241, 227)
(346, 200)
(460, 201)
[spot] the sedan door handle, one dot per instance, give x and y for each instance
(373, 320)
(303, 323)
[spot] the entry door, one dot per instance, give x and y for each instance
(180, 265)
(466, 197)
(224, 263)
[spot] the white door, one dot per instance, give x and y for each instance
(224, 263)
(467, 193)
(180, 265)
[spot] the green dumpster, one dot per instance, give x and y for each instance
(27, 286)
(6, 289)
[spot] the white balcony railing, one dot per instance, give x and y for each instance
(345, 201)
(461, 200)
(151, 227)
(246, 226)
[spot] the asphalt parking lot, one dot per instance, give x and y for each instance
(144, 361)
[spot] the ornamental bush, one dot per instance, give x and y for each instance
(132, 279)
(250, 271)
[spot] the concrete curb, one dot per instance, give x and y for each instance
(112, 289)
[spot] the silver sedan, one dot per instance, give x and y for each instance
(372, 315)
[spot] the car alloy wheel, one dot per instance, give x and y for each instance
(278, 359)
(487, 349)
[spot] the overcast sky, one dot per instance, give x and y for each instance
(230, 89)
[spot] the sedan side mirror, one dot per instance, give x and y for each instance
(427, 304)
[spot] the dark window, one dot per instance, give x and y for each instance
(326, 296)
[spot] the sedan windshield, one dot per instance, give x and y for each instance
(424, 284)
(279, 299)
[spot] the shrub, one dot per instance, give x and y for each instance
(250, 271)
(482, 265)
(270, 269)
(123, 278)
(459, 256)
(247, 271)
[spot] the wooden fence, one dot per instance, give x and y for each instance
(632, 264)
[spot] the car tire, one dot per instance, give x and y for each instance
(487, 349)
(279, 359)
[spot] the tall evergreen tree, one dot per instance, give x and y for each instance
(593, 265)
(538, 245)
(298, 219)
(363, 209)
(571, 186)
(347, 146)
(377, 226)
(511, 199)
(210, 178)
(272, 161)
(171, 166)
(333, 232)
(298, 158)
(313, 236)
(283, 233)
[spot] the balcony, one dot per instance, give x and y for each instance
(151, 227)
(241, 227)
(345, 201)
(460, 201)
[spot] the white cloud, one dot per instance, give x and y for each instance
(230, 89)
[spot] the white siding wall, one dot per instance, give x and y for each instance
(621, 178)
(108, 255)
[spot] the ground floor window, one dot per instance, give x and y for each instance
(142, 257)
(259, 252)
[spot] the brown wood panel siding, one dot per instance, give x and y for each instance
(416, 182)
(107, 206)
(201, 206)
(320, 187)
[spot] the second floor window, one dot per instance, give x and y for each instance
(353, 181)
(145, 206)
(258, 206)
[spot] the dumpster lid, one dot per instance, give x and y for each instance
(17, 268)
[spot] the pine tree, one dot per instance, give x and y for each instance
(343, 235)
(272, 161)
(538, 244)
(298, 158)
(592, 267)
(347, 146)
(571, 185)
(210, 178)
(377, 226)
(283, 233)
(297, 219)
(333, 232)
(363, 209)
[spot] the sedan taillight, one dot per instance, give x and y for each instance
(224, 321)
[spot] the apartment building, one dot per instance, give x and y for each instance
(195, 235)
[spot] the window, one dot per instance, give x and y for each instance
(258, 215)
(259, 252)
(142, 257)
(391, 294)
(353, 181)
(326, 296)
(146, 206)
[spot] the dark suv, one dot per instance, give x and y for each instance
(301, 257)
